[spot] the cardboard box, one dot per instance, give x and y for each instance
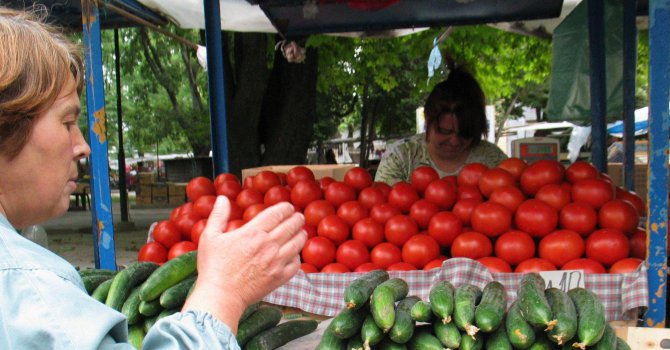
(639, 338)
(159, 200)
(144, 191)
(159, 190)
(336, 171)
(146, 178)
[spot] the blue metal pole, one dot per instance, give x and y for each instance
(629, 70)
(103, 229)
(596, 20)
(217, 99)
(657, 220)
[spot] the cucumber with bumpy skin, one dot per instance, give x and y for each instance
(371, 334)
(490, 310)
(100, 293)
(136, 335)
(388, 344)
(565, 314)
(403, 327)
(355, 343)
(175, 296)
(498, 340)
(422, 312)
(475, 342)
(441, 299)
(621, 345)
(281, 334)
(150, 308)
(608, 340)
(466, 298)
(542, 342)
(130, 307)
(519, 332)
(533, 303)
(262, 319)
(168, 274)
(91, 282)
(358, 292)
(348, 322)
(590, 317)
(424, 340)
(127, 279)
(382, 303)
(329, 341)
(448, 334)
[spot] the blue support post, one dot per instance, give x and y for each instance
(657, 220)
(217, 99)
(629, 70)
(101, 208)
(596, 22)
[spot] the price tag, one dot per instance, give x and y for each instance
(563, 280)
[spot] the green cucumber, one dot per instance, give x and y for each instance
(489, 313)
(127, 279)
(136, 335)
(448, 334)
(542, 342)
(91, 282)
(466, 298)
(621, 344)
(149, 322)
(131, 306)
(474, 342)
(382, 303)
(358, 292)
(355, 343)
(249, 310)
(422, 311)
(329, 341)
(371, 334)
(175, 296)
(262, 319)
(168, 274)
(150, 308)
(281, 334)
(608, 340)
(565, 314)
(166, 313)
(424, 340)
(497, 340)
(100, 293)
(519, 332)
(590, 317)
(441, 299)
(348, 322)
(388, 344)
(403, 327)
(92, 272)
(533, 303)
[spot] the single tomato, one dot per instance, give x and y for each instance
(421, 177)
(561, 246)
(541, 173)
(401, 266)
(536, 217)
(154, 252)
(384, 211)
(334, 228)
(594, 192)
(367, 267)
(265, 180)
(579, 217)
(339, 192)
(402, 195)
(619, 214)
(352, 212)
(358, 178)
(318, 251)
(586, 264)
(166, 233)
(555, 195)
(422, 211)
(495, 265)
(581, 170)
(494, 179)
(514, 166)
(607, 246)
(514, 247)
(305, 192)
(509, 196)
(442, 193)
(181, 248)
(335, 268)
(470, 174)
(352, 253)
(625, 265)
(199, 186)
(534, 265)
(248, 197)
(491, 219)
(399, 229)
(473, 245)
(419, 250)
(370, 196)
(299, 173)
(463, 209)
(385, 254)
(368, 231)
(317, 210)
(444, 227)
(276, 195)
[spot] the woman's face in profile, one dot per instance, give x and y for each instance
(443, 138)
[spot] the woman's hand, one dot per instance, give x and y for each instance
(238, 268)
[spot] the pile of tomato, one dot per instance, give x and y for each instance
(512, 218)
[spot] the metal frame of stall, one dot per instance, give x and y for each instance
(659, 66)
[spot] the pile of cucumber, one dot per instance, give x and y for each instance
(380, 314)
(146, 292)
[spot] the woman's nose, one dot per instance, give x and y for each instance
(81, 148)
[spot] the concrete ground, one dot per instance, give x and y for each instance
(71, 236)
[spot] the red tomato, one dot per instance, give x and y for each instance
(555, 195)
(184, 208)
(470, 174)
(581, 170)
(473, 245)
(180, 248)
(421, 212)
(509, 196)
(534, 265)
(382, 212)
(421, 177)
(311, 231)
(514, 247)
(638, 244)
(247, 182)
(419, 250)
(282, 178)
(468, 191)
(370, 196)
(248, 197)
(352, 212)
(494, 179)
(338, 192)
(324, 182)
(252, 211)
(435, 263)
(335, 268)
(317, 210)
(367, 267)
(308, 268)
(234, 225)
(634, 199)
(399, 229)
(203, 205)
(536, 217)
(625, 265)
(352, 253)
(219, 179)
(299, 173)
(579, 217)
(166, 233)
(441, 193)
(561, 246)
(495, 265)
(594, 192)
(444, 227)
(229, 189)
(334, 228)
(265, 180)
(368, 231)
(586, 264)
(402, 195)
(540, 173)
(401, 266)
(235, 211)
(305, 192)
(463, 209)
(514, 166)
(382, 186)
(358, 178)
(196, 231)
(619, 214)
(152, 251)
(491, 219)
(607, 246)
(185, 223)
(318, 251)
(385, 254)
(276, 195)
(199, 186)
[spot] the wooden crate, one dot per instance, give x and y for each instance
(159, 190)
(146, 178)
(641, 338)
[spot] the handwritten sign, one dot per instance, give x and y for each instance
(563, 280)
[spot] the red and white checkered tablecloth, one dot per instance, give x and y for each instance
(323, 293)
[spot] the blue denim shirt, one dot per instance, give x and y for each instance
(43, 305)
